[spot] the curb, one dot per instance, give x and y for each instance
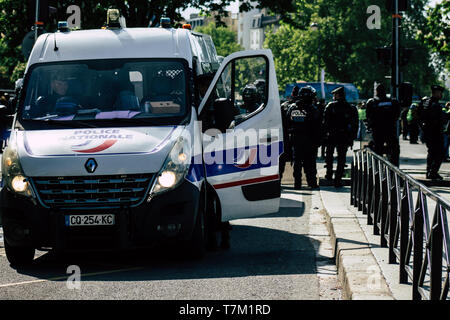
(358, 270)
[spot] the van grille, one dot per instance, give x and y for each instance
(92, 191)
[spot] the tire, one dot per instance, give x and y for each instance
(19, 256)
(196, 246)
(212, 222)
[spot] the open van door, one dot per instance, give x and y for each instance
(242, 135)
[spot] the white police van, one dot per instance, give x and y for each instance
(112, 147)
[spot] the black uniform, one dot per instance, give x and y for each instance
(404, 118)
(382, 114)
(432, 121)
(305, 121)
(340, 128)
(287, 143)
(321, 106)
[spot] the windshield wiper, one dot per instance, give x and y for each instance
(131, 120)
(64, 123)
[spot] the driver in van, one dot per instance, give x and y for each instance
(47, 105)
(59, 85)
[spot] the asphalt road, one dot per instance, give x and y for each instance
(271, 257)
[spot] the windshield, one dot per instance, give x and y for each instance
(98, 90)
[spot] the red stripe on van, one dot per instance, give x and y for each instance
(244, 182)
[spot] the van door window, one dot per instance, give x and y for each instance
(240, 93)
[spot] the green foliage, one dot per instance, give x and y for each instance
(436, 33)
(18, 71)
(14, 24)
(224, 38)
(345, 47)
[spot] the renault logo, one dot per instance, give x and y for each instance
(91, 165)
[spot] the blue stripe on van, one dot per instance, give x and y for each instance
(216, 169)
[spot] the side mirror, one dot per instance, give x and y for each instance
(18, 85)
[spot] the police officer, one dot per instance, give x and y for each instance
(340, 128)
(413, 123)
(320, 103)
(260, 85)
(305, 121)
(433, 120)
(251, 98)
(287, 149)
(362, 120)
(382, 114)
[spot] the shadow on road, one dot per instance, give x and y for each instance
(254, 251)
(288, 209)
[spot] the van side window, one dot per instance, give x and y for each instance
(240, 93)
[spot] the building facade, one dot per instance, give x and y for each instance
(252, 26)
(196, 20)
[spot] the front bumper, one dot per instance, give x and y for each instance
(167, 216)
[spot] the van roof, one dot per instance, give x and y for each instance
(112, 44)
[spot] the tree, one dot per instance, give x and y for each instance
(345, 47)
(138, 13)
(437, 32)
(225, 40)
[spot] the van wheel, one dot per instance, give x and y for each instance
(212, 221)
(19, 256)
(196, 246)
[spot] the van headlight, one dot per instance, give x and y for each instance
(12, 174)
(174, 169)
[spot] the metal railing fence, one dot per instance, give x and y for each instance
(386, 195)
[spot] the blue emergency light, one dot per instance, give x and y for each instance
(164, 22)
(63, 26)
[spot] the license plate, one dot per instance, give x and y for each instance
(90, 220)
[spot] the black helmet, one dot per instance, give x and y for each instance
(250, 94)
(260, 84)
(380, 90)
(307, 93)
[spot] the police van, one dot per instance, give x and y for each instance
(115, 145)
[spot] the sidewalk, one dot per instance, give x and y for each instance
(362, 264)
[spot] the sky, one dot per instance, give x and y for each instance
(234, 7)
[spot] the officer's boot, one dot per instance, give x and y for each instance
(338, 183)
(312, 182)
(298, 183)
(434, 175)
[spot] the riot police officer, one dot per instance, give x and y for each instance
(260, 85)
(305, 121)
(287, 152)
(250, 98)
(382, 114)
(433, 120)
(340, 128)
